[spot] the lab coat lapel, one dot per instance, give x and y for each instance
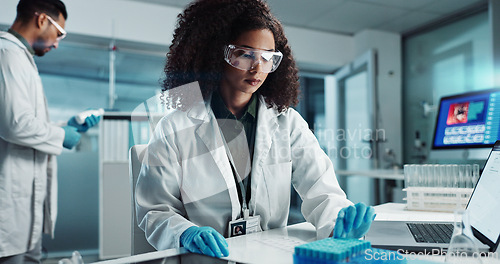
(210, 135)
(267, 125)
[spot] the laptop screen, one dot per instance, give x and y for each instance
(484, 205)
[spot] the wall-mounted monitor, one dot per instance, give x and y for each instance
(468, 123)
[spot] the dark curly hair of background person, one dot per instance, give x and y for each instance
(197, 50)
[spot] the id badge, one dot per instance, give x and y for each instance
(244, 226)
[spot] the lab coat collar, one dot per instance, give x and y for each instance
(268, 114)
(23, 40)
(8, 36)
(200, 111)
(199, 108)
(267, 124)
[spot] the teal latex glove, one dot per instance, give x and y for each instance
(90, 121)
(204, 240)
(354, 221)
(71, 137)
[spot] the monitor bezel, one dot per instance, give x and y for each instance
(463, 146)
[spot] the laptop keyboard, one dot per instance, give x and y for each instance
(431, 233)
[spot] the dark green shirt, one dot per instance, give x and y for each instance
(23, 40)
(248, 119)
(232, 127)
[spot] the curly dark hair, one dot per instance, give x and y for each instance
(197, 50)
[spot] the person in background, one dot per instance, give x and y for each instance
(28, 141)
(230, 158)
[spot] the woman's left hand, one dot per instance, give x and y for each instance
(353, 221)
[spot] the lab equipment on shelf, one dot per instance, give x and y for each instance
(439, 187)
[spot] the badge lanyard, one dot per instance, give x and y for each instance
(246, 224)
(244, 206)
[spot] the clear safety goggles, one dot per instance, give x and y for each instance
(62, 33)
(244, 58)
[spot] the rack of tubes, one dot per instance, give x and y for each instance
(439, 187)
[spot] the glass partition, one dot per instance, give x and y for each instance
(451, 59)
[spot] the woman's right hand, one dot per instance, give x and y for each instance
(204, 240)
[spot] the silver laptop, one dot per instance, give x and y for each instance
(484, 215)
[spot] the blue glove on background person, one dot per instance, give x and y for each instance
(71, 137)
(353, 221)
(204, 240)
(90, 121)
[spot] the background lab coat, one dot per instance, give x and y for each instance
(186, 175)
(27, 141)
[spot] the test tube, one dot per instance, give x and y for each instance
(407, 172)
(468, 176)
(424, 176)
(475, 174)
(455, 176)
(421, 175)
(442, 176)
(461, 177)
(436, 176)
(414, 175)
(429, 175)
(449, 176)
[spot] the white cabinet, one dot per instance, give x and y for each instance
(118, 132)
(115, 208)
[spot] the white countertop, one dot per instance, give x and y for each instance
(277, 246)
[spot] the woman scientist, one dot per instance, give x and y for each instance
(222, 163)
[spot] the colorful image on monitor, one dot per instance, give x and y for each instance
(458, 113)
(468, 120)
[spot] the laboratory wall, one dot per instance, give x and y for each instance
(451, 59)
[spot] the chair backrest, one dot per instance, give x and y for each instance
(139, 242)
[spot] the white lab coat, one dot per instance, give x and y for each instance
(186, 178)
(28, 182)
